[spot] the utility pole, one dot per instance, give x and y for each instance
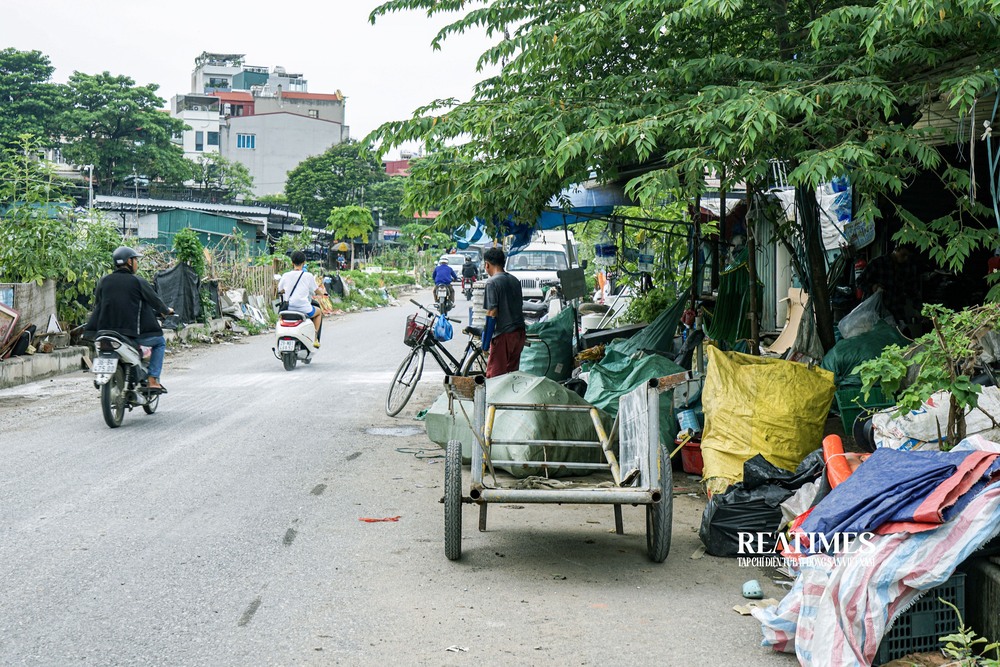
(90, 187)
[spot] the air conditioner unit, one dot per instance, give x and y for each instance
(197, 107)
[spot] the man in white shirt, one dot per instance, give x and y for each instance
(299, 286)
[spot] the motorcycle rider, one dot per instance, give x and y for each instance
(128, 305)
(299, 286)
(469, 271)
(444, 275)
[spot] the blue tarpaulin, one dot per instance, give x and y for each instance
(897, 486)
(574, 204)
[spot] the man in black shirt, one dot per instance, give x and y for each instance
(504, 334)
(127, 304)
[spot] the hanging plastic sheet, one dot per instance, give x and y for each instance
(179, 287)
(727, 320)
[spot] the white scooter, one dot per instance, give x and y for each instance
(293, 337)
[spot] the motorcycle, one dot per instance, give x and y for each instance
(293, 338)
(467, 287)
(120, 370)
(443, 299)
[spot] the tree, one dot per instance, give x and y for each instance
(214, 172)
(601, 88)
(350, 223)
(119, 128)
(41, 238)
(387, 197)
(29, 102)
(338, 177)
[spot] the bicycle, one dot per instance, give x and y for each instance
(420, 336)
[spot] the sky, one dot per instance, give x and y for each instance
(384, 70)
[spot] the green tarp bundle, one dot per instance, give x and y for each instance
(616, 375)
(518, 387)
(552, 356)
(657, 337)
(845, 356)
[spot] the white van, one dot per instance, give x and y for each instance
(540, 260)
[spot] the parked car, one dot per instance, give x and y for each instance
(455, 261)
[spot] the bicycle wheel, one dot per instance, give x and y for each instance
(405, 381)
(475, 364)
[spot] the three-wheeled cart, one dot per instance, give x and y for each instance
(640, 471)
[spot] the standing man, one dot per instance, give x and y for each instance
(299, 286)
(504, 333)
(127, 304)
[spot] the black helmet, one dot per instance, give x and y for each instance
(468, 259)
(123, 254)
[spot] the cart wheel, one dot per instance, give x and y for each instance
(453, 500)
(659, 516)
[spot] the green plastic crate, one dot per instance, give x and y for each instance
(920, 628)
(851, 402)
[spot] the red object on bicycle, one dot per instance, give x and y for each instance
(416, 327)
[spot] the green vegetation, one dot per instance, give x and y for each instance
(41, 237)
(659, 94)
(967, 647)
(232, 179)
(188, 249)
(338, 177)
(944, 359)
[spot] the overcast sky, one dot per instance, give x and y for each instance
(385, 70)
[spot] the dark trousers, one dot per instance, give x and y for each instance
(505, 353)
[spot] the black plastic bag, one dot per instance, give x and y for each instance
(744, 521)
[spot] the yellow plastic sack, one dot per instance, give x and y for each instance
(755, 405)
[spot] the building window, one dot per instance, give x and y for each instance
(213, 138)
(314, 113)
(199, 140)
(246, 141)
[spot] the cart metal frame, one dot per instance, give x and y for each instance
(641, 471)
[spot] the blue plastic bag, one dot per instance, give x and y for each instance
(442, 329)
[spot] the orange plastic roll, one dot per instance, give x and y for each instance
(838, 468)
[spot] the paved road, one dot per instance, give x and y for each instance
(224, 530)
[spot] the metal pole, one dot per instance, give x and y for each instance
(90, 186)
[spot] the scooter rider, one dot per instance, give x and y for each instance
(299, 286)
(469, 271)
(444, 275)
(128, 304)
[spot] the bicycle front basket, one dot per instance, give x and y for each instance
(416, 328)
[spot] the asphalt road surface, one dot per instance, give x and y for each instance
(225, 530)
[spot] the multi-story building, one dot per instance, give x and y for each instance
(265, 119)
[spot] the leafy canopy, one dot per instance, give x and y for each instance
(350, 222)
(338, 177)
(212, 171)
(118, 127)
(29, 102)
(685, 86)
